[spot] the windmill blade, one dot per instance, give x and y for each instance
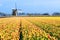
(15, 5)
(19, 9)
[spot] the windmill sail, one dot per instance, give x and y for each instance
(14, 11)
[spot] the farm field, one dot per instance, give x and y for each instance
(9, 28)
(30, 28)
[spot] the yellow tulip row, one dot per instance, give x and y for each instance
(48, 24)
(32, 32)
(9, 28)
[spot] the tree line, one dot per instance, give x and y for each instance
(30, 14)
(46, 14)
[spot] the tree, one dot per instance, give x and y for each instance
(46, 14)
(29, 14)
(56, 14)
(2, 14)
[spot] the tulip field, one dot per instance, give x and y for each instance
(9, 28)
(30, 28)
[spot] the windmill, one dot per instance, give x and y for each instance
(15, 11)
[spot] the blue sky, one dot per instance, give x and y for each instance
(30, 6)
